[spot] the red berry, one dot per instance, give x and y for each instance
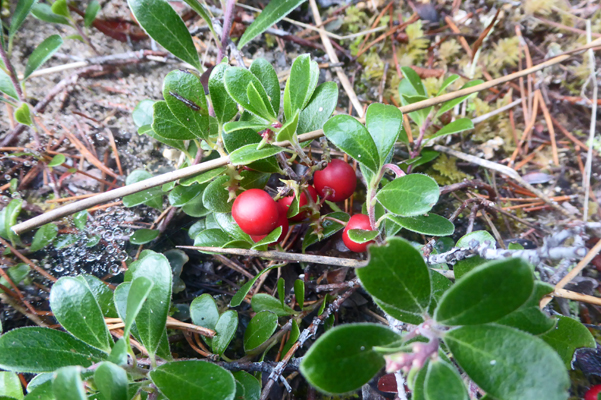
(286, 201)
(339, 177)
(255, 212)
(357, 221)
(593, 393)
(282, 221)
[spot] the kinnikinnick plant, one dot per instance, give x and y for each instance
(482, 335)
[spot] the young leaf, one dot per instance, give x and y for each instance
(91, 12)
(264, 302)
(384, 123)
(6, 86)
(568, 336)
(289, 129)
(430, 224)
(343, 359)
(452, 103)
(42, 53)
(459, 125)
(259, 330)
(415, 81)
(76, 309)
(255, 125)
(447, 82)
(294, 335)
(224, 106)
(265, 73)
(143, 236)
(166, 125)
(487, 293)
(496, 359)
(225, 330)
(260, 108)
(398, 278)
(142, 114)
(185, 97)
(529, 317)
(238, 139)
(350, 136)
(271, 15)
(60, 7)
(301, 84)
(243, 291)
(138, 293)
(43, 11)
(418, 116)
(299, 292)
(36, 350)
(250, 385)
(57, 160)
(249, 153)
(23, 115)
(163, 24)
(237, 80)
(409, 195)
(43, 237)
(67, 384)
(361, 236)
(10, 386)
(18, 17)
(319, 109)
(443, 382)
(111, 381)
(80, 219)
(185, 380)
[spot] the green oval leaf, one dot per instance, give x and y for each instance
(486, 293)
(430, 224)
(138, 292)
(186, 99)
(384, 123)
(67, 384)
(163, 24)
(250, 385)
(237, 81)
(264, 302)
(350, 136)
(319, 109)
(509, 364)
(568, 336)
(102, 293)
(91, 12)
(143, 236)
(409, 195)
(343, 359)
(185, 380)
(225, 330)
(57, 160)
(529, 317)
(259, 329)
(23, 115)
(18, 17)
(300, 86)
(398, 278)
(224, 106)
(111, 381)
(443, 382)
(288, 131)
(6, 85)
(265, 73)
(459, 125)
(204, 312)
(10, 385)
(243, 291)
(249, 153)
(152, 197)
(42, 53)
(35, 349)
(43, 237)
(361, 236)
(271, 15)
(76, 309)
(215, 196)
(167, 125)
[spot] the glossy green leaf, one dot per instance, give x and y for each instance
(237, 80)
(23, 115)
(139, 291)
(446, 83)
(142, 114)
(215, 196)
(260, 108)
(42, 53)
(259, 329)
(44, 12)
(362, 236)
(43, 237)
(18, 16)
(166, 125)
(204, 312)
(430, 224)
(529, 317)
(300, 86)
(10, 385)
(443, 382)
(185, 380)
(329, 228)
(227, 223)
(163, 24)
(409, 195)
(203, 177)
(57, 160)
(152, 317)
(487, 293)
(299, 292)
(271, 238)
(509, 364)
(249, 153)
(111, 381)
(42, 391)
(60, 7)
(319, 109)
(459, 125)
(253, 179)
(398, 278)
(568, 336)
(181, 195)
(225, 330)
(452, 103)
(102, 293)
(80, 219)
(265, 73)
(250, 385)
(343, 359)
(211, 238)
(143, 236)
(271, 15)
(384, 123)
(288, 131)
(185, 97)
(35, 349)
(152, 197)
(294, 335)
(6, 86)
(255, 125)
(91, 12)
(67, 384)
(243, 291)
(236, 140)
(350, 136)
(76, 309)
(224, 106)
(415, 81)
(264, 302)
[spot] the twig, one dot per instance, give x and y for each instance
(568, 294)
(589, 157)
(549, 122)
(172, 323)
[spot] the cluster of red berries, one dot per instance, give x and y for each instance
(258, 214)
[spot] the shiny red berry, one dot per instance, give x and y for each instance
(593, 393)
(357, 221)
(282, 221)
(255, 212)
(339, 177)
(287, 201)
